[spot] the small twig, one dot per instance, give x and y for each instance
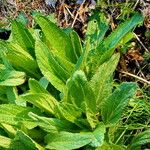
(141, 42)
(77, 14)
(140, 70)
(136, 4)
(69, 11)
(137, 77)
(72, 16)
(65, 14)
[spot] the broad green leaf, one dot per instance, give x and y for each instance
(35, 87)
(43, 101)
(3, 45)
(24, 142)
(91, 118)
(97, 27)
(13, 114)
(80, 94)
(77, 47)
(11, 77)
(114, 105)
(98, 133)
(52, 124)
(81, 61)
(10, 130)
(107, 146)
(68, 111)
(55, 72)
(106, 48)
(65, 64)
(22, 60)
(58, 41)
(126, 38)
(5, 61)
(22, 36)
(113, 39)
(100, 81)
(12, 94)
(3, 96)
(67, 140)
(139, 140)
(5, 142)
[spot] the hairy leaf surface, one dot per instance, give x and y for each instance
(97, 27)
(58, 40)
(35, 87)
(81, 94)
(22, 60)
(23, 141)
(5, 142)
(66, 140)
(43, 101)
(11, 77)
(114, 105)
(13, 114)
(23, 37)
(77, 47)
(52, 124)
(100, 81)
(68, 111)
(106, 48)
(55, 72)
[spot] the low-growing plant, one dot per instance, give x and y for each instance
(71, 100)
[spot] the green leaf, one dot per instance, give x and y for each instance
(81, 61)
(77, 47)
(9, 129)
(85, 99)
(114, 105)
(68, 111)
(67, 141)
(13, 114)
(24, 142)
(106, 48)
(12, 94)
(11, 78)
(52, 124)
(22, 36)
(100, 81)
(35, 87)
(139, 140)
(5, 61)
(97, 27)
(108, 146)
(5, 142)
(51, 68)
(78, 84)
(43, 101)
(98, 135)
(58, 40)
(22, 60)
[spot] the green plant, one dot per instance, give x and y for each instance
(76, 104)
